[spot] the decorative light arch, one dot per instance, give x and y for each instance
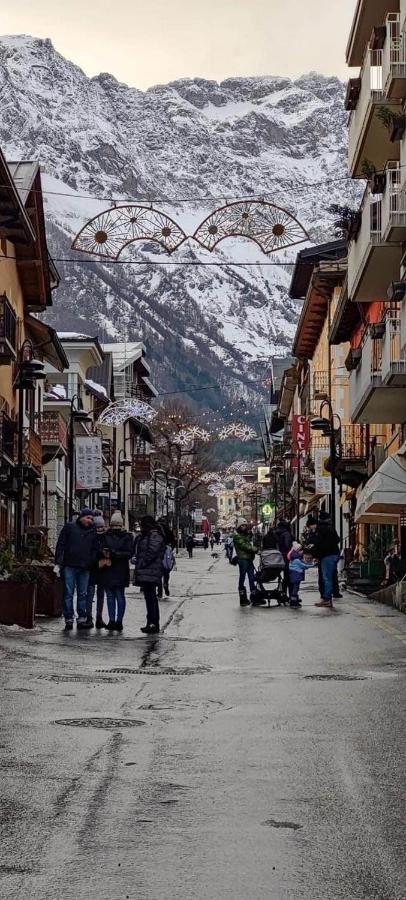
(107, 234)
(122, 410)
(237, 430)
(192, 433)
(270, 226)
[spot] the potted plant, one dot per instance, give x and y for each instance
(394, 122)
(348, 221)
(377, 180)
(18, 588)
(49, 588)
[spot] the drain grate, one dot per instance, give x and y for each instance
(335, 677)
(158, 670)
(274, 823)
(79, 679)
(100, 723)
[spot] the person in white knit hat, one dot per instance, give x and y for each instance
(94, 586)
(116, 552)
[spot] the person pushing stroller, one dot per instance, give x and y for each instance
(245, 553)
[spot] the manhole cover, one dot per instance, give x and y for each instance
(158, 670)
(79, 679)
(334, 677)
(100, 723)
(274, 823)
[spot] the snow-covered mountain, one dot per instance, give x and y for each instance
(187, 147)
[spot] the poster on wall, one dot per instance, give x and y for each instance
(89, 463)
(323, 477)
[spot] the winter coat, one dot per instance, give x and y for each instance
(148, 557)
(77, 546)
(297, 568)
(120, 545)
(243, 545)
(326, 541)
(270, 541)
(284, 538)
(168, 534)
(189, 543)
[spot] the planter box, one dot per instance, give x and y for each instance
(17, 603)
(50, 600)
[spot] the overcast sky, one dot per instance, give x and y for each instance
(144, 42)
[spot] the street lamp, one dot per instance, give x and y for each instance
(30, 371)
(329, 430)
(77, 414)
(156, 473)
(122, 464)
(276, 470)
(289, 455)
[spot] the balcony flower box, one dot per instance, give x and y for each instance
(353, 359)
(377, 330)
(352, 94)
(17, 603)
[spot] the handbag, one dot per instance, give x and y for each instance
(168, 561)
(234, 561)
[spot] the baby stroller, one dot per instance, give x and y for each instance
(271, 570)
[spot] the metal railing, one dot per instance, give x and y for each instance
(394, 51)
(8, 431)
(371, 89)
(393, 199)
(393, 358)
(370, 233)
(125, 387)
(320, 384)
(368, 374)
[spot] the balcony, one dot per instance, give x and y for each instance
(368, 138)
(393, 205)
(394, 358)
(8, 430)
(32, 450)
(368, 13)
(8, 331)
(320, 386)
(54, 434)
(394, 58)
(371, 400)
(372, 263)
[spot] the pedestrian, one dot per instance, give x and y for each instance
(148, 561)
(217, 536)
(229, 547)
(284, 539)
(211, 542)
(75, 555)
(205, 542)
(94, 586)
(114, 569)
(270, 541)
(190, 545)
(169, 559)
(326, 549)
(300, 560)
(245, 553)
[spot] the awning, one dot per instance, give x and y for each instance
(46, 341)
(383, 498)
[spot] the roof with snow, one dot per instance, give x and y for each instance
(126, 353)
(103, 376)
(24, 173)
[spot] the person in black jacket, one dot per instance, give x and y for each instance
(75, 554)
(116, 551)
(170, 541)
(326, 548)
(284, 541)
(148, 561)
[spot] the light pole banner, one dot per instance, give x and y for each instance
(323, 477)
(88, 463)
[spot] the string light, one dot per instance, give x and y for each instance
(119, 412)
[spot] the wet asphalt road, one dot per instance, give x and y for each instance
(245, 753)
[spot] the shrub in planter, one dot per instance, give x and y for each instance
(18, 589)
(49, 591)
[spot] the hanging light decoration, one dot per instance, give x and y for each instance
(208, 477)
(216, 489)
(119, 412)
(239, 430)
(191, 433)
(240, 465)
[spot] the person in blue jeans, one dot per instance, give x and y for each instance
(94, 586)
(326, 548)
(75, 554)
(116, 549)
(245, 553)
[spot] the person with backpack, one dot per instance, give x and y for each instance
(148, 562)
(114, 569)
(245, 553)
(169, 557)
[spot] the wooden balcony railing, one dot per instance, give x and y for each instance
(32, 449)
(54, 430)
